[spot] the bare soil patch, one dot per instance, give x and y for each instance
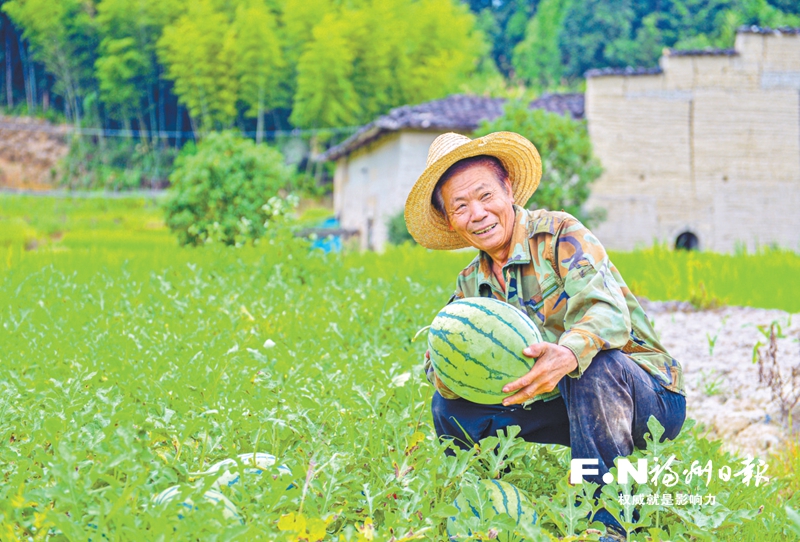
(723, 391)
(29, 152)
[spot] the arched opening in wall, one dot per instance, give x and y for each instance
(687, 241)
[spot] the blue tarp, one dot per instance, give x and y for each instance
(330, 243)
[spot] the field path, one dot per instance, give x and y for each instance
(722, 386)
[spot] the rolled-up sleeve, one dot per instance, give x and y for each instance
(597, 316)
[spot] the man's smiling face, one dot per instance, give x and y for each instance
(480, 209)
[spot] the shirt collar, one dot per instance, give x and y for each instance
(520, 252)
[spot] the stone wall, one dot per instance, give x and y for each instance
(710, 146)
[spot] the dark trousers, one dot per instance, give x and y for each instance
(602, 415)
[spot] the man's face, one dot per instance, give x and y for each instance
(480, 208)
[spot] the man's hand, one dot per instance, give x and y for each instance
(552, 363)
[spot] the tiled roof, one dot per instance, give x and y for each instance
(602, 72)
(458, 113)
(702, 52)
(764, 30)
(561, 103)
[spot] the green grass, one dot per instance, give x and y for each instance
(128, 363)
(50, 230)
(767, 279)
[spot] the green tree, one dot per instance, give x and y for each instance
(372, 32)
(325, 94)
(696, 24)
(790, 7)
(126, 67)
(225, 191)
(259, 60)
(397, 230)
(537, 58)
(62, 36)
(745, 12)
(119, 66)
(442, 46)
(568, 167)
(365, 59)
(198, 51)
(619, 33)
(504, 24)
(297, 19)
(592, 32)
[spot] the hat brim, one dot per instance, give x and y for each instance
(518, 155)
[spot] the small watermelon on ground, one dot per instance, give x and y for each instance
(211, 496)
(476, 348)
(504, 497)
(254, 463)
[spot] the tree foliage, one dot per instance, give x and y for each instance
(568, 167)
(118, 69)
(619, 33)
(126, 68)
(325, 93)
(198, 51)
(226, 191)
(564, 38)
(328, 63)
(537, 58)
(397, 230)
(324, 63)
(363, 60)
(258, 59)
(61, 35)
(504, 23)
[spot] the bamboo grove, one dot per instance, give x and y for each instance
(156, 65)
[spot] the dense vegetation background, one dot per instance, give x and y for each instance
(265, 65)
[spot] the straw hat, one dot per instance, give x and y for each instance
(518, 156)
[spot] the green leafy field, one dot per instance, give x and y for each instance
(128, 364)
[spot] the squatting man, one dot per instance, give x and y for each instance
(600, 350)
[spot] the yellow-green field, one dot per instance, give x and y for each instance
(39, 230)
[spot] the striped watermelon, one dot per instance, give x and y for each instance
(211, 496)
(504, 498)
(255, 463)
(476, 347)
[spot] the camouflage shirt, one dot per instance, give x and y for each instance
(560, 275)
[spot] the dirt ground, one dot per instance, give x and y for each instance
(723, 391)
(29, 152)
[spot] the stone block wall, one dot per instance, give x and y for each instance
(710, 146)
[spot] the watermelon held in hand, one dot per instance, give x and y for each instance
(502, 497)
(476, 347)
